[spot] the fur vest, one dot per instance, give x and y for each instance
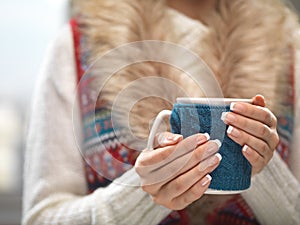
(246, 44)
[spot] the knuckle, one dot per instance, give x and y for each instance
(243, 122)
(145, 188)
(247, 138)
(264, 131)
(276, 139)
(178, 185)
(268, 116)
(157, 200)
(198, 154)
(186, 199)
(265, 149)
(196, 192)
(174, 205)
(256, 158)
(275, 121)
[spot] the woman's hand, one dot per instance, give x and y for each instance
(254, 128)
(176, 173)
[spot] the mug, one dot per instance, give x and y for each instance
(203, 115)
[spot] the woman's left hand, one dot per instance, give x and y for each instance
(254, 127)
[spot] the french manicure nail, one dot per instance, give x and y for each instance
(218, 142)
(207, 136)
(232, 106)
(201, 139)
(230, 129)
(210, 162)
(223, 116)
(206, 180)
(233, 131)
(236, 107)
(245, 148)
(218, 155)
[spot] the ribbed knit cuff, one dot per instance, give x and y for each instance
(274, 195)
(126, 203)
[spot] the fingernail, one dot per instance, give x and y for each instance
(233, 131)
(206, 180)
(232, 105)
(223, 116)
(177, 137)
(245, 148)
(218, 155)
(236, 107)
(202, 138)
(211, 148)
(218, 142)
(229, 117)
(172, 138)
(207, 136)
(230, 129)
(210, 162)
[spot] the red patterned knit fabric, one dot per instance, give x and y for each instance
(106, 156)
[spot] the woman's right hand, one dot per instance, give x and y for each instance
(176, 172)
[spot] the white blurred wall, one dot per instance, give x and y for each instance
(26, 29)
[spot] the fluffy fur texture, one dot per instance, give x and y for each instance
(247, 44)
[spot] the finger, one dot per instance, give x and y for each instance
(166, 138)
(254, 112)
(187, 161)
(185, 181)
(164, 155)
(252, 127)
(243, 138)
(259, 100)
(163, 174)
(255, 159)
(191, 195)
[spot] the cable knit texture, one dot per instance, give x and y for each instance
(234, 171)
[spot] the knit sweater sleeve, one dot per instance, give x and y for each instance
(54, 181)
(275, 192)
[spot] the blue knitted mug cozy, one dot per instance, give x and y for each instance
(234, 171)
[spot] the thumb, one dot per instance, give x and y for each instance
(259, 100)
(166, 138)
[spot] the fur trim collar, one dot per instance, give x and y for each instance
(247, 48)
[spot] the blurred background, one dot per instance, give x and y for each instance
(26, 29)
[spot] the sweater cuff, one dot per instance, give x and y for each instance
(274, 195)
(127, 203)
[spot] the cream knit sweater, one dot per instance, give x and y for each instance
(55, 189)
